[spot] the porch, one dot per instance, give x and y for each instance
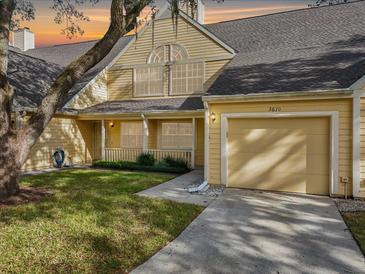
(125, 139)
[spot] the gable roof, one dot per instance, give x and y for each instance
(43, 65)
(166, 14)
(59, 56)
(303, 50)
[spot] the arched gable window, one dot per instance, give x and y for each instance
(167, 53)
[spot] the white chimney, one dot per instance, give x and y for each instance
(200, 15)
(23, 39)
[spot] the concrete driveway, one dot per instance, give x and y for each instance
(261, 232)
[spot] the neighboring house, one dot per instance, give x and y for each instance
(271, 102)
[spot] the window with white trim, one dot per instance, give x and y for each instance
(169, 62)
(187, 78)
(132, 134)
(148, 81)
(176, 135)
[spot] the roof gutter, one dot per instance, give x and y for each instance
(321, 94)
(139, 115)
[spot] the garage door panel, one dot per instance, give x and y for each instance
(317, 164)
(275, 147)
(318, 144)
(314, 144)
(279, 154)
(297, 163)
(253, 163)
(298, 183)
(303, 124)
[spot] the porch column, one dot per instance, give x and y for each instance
(103, 139)
(145, 134)
(193, 143)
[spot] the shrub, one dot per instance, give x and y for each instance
(172, 162)
(123, 165)
(146, 159)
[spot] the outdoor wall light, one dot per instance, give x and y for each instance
(212, 116)
(111, 124)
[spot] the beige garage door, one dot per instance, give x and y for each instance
(281, 154)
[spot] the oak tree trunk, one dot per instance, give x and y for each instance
(9, 168)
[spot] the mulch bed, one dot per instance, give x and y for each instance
(26, 195)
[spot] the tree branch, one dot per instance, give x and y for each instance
(123, 14)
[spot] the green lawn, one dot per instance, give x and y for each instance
(356, 222)
(93, 223)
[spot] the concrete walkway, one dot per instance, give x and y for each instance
(175, 190)
(262, 232)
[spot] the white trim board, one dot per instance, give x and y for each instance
(334, 137)
(206, 141)
(356, 132)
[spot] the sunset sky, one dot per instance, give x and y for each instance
(49, 33)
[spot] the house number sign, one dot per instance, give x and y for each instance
(274, 109)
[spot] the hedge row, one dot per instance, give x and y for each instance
(124, 165)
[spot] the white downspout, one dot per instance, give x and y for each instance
(193, 147)
(206, 142)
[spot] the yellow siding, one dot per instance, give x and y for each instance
(195, 42)
(94, 94)
(212, 70)
(198, 45)
(113, 134)
(74, 138)
(343, 106)
(120, 84)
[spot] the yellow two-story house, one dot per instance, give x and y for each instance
(271, 102)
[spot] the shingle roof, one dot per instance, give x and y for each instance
(147, 105)
(310, 49)
(43, 65)
(31, 78)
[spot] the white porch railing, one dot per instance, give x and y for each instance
(131, 154)
(122, 154)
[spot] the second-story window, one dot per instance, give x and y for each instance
(169, 65)
(148, 81)
(187, 78)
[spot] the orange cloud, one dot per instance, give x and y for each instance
(49, 33)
